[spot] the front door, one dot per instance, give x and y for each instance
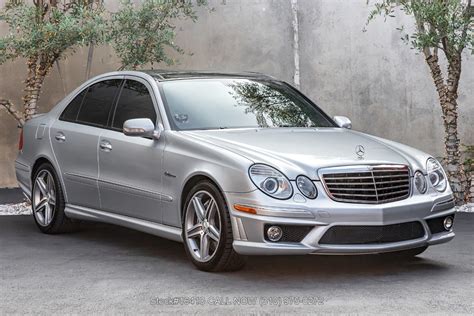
(130, 167)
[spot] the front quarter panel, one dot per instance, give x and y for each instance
(187, 157)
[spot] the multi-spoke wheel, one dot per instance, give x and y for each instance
(207, 231)
(202, 226)
(47, 202)
(44, 198)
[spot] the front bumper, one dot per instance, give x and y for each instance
(323, 213)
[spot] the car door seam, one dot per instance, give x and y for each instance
(98, 167)
(58, 166)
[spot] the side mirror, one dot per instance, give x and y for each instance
(141, 127)
(343, 122)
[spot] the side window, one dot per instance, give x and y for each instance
(134, 102)
(97, 102)
(70, 113)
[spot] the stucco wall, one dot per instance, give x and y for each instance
(372, 77)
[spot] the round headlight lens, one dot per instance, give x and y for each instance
(436, 175)
(271, 181)
(306, 187)
(270, 185)
(420, 182)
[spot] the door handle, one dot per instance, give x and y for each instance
(105, 146)
(60, 137)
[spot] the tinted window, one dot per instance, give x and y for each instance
(134, 102)
(70, 113)
(98, 102)
(234, 103)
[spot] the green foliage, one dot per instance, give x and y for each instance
(141, 33)
(50, 29)
(270, 104)
(440, 24)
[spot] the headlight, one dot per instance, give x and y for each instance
(306, 187)
(436, 175)
(420, 182)
(271, 181)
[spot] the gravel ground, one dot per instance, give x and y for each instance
(16, 209)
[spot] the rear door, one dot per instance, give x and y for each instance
(75, 139)
(130, 168)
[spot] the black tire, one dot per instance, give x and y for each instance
(60, 223)
(405, 254)
(225, 257)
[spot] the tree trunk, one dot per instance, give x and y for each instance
(296, 49)
(37, 70)
(454, 164)
(8, 105)
(447, 94)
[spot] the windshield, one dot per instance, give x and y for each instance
(238, 103)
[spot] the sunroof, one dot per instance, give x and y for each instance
(170, 75)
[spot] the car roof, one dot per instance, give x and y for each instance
(166, 75)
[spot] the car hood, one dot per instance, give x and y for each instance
(297, 151)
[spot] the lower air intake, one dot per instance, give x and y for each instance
(357, 235)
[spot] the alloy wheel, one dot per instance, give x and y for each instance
(202, 226)
(44, 198)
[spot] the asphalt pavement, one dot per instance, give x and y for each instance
(108, 269)
(13, 195)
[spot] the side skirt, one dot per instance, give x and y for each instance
(160, 230)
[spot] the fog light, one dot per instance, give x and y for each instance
(448, 223)
(274, 233)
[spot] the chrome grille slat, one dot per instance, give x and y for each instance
(392, 193)
(392, 181)
(390, 176)
(374, 185)
(349, 178)
(366, 189)
(355, 194)
(389, 170)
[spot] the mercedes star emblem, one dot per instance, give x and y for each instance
(360, 151)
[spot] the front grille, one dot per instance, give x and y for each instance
(356, 235)
(291, 233)
(368, 184)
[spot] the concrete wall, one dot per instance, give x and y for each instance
(372, 77)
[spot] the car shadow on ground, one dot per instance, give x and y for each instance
(136, 244)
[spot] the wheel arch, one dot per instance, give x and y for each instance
(38, 162)
(41, 160)
(190, 183)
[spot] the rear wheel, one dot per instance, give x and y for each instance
(207, 230)
(48, 204)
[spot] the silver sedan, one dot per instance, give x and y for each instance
(231, 165)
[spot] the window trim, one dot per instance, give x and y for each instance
(86, 89)
(86, 86)
(114, 101)
(152, 96)
(149, 85)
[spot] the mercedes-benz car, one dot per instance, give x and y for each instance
(231, 165)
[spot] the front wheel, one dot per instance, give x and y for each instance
(207, 230)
